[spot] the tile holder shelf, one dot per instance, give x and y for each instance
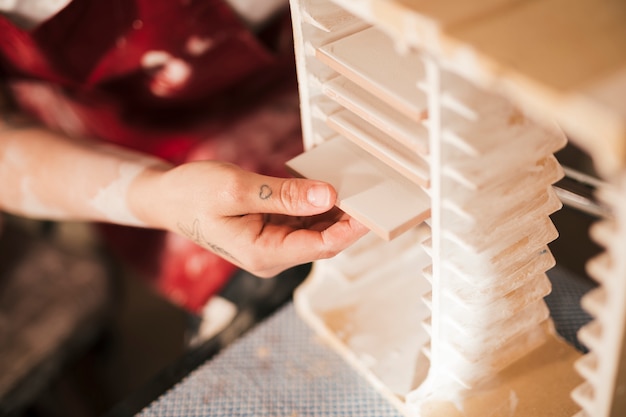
(451, 163)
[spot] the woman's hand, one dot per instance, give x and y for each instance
(263, 224)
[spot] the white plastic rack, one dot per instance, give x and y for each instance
(442, 306)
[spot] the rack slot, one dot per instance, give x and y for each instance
(380, 69)
(411, 134)
(380, 145)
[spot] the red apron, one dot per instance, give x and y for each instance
(180, 79)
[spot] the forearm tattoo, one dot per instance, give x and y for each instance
(194, 233)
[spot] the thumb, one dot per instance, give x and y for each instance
(290, 196)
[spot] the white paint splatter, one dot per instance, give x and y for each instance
(176, 71)
(197, 46)
(111, 200)
(170, 73)
(153, 59)
(171, 78)
(32, 205)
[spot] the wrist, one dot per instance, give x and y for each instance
(145, 197)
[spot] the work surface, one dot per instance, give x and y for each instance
(282, 369)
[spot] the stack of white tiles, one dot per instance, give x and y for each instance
(487, 169)
(492, 171)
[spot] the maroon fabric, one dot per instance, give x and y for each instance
(173, 78)
(96, 56)
(91, 44)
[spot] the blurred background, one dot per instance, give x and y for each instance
(81, 334)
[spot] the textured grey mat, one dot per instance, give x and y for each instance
(281, 369)
(564, 303)
(278, 369)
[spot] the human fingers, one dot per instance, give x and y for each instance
(316, 222)
(301, 245)
(255, 193)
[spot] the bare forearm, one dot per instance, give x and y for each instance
(44, 174)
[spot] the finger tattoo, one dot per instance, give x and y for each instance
(265, 192)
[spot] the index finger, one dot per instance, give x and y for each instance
(307, 245)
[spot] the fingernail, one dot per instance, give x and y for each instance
(318, 195)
